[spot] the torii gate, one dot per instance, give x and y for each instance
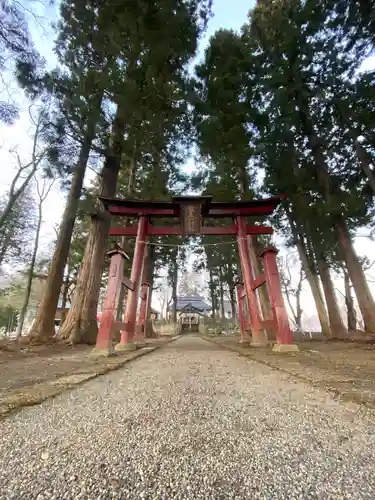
(191, 212)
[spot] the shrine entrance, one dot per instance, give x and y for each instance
(191, 212)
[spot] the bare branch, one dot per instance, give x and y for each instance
(30, 167)
(44, 190)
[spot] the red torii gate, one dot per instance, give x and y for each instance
(192, 211)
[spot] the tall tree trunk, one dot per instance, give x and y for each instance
(350, 309)
(174, 291)
(221, 290)
(298, 300)
(357, 276)
(64, 294)
(311, 277)
(43, 327)
(232, 295)
(5, 242)
(313, 281)
(290, 304)
(212, 294)
(81, 324)
(338, 328)
(366, 160)
(30, 275)
(73, 327)
(149, 329)
(124, 291)
(233, 303)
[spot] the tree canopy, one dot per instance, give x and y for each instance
(280, 106)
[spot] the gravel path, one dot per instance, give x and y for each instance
(190, 421)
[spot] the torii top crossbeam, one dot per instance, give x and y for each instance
(191, 210)
(209, 208)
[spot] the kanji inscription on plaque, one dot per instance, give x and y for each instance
(191, 219)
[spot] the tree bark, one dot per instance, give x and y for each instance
(30, 275)
(221, 290)
(291, 307)
(313, 281)
(64, 295)
(232, 295)
(298, 300)
(81, 324)
(357, 276)
(212, 294)
(351, 312)
(174, 291)
(311, 277)
(43, 327)
(233, 303)
(121, 303)
(149, 327)
(5, 243)
(72, 329)
(338, 328)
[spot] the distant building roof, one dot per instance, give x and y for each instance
(191, 310)
(194, 300)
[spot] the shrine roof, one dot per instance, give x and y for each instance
(118, 206)
(197, 302)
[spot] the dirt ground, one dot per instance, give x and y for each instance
(345, 368)
(32, 374)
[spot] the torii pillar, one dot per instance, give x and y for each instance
(144, 295)
(259, 338)
(140, 334)
(284, 337)
(111, 301)
(130, 317)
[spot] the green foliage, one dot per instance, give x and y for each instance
(190, 284)
(16, 235)
(8, 319)
(273, 97)
(222, 115)
(12, 298)
(16, 49)
(315, 65)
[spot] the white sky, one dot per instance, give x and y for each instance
(19, 135)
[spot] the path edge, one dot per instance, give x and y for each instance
(340, 395)
(6, 409)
